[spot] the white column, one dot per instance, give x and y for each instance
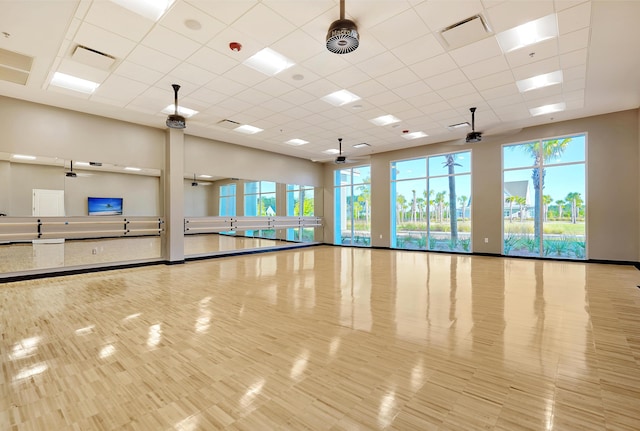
(174, 196)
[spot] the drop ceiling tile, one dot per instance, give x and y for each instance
(264, 24)
(221, 41)
(566, 4)
(245, 75)
(575, 18)
(190, 73)
(441, 14)
(365, 51)
(457, 90)
(120, 89)
(446, 79)
(208, 59)
(577, 72)
(534, 53)
(349, 77)
(275, 87)
(138, 73)
(153, 59)
(381, 64)
(104, 41)
(300, 12)
(400, 77)
(496, 80)
(399, 29)
(368, 89)
(234, 109)
(574, 84)
(369, 14)
(434, 108)
(419, 49)
(505, 101)
(421, 101)
(207, 96)
(414, 89)
(482, 50)
(252, 95)
(277, 105)
(226, 11)
(434, 66)
(297, 76)
(509, 14)
(542, 101)
(225, 86)
(510, 89)
(538, 68)
(178, 16)
(382, 99)
(486, 67)
(289, 46)
(298, 96)
(512, 112)
(170, 42)
(118, 20)
(575, 40)
(326, 63)
(465, 101)
(577, 95)
(574, 58)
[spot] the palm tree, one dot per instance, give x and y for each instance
(420, 203)
(440, 205)
(550, 150)
(451, 164)
(511, 200)
(560, 204)
(401, 202)
(546, 200)
(576, 201)
(522, 202)
(413, 206)
(463, 203)
(365, 198)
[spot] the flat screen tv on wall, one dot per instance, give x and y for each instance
(104, 206)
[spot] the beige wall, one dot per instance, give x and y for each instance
(613, 185)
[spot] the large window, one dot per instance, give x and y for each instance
(300, 202)
(544, 202)
(431, 203)
(260, 200)
(353, 206)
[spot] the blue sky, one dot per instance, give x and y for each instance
(559, 180)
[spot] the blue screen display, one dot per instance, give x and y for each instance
(105, 206)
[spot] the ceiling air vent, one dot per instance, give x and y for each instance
(465, 32)
(93, 58)
(228, 124)
(14, 67)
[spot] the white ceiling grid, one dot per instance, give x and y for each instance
(402, 67)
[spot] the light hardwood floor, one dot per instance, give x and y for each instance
(325, 338)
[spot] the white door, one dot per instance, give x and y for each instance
(48, 203)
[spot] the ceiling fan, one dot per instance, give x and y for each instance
(195, 182)
(175, 120)
(476, 136)
(341, 158)
(342, 37)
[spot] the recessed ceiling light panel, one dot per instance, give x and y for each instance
(150, 9)
(385, 120)
(459, 126)
(331, 151)
(72, 83)
(133, 169)
(248, 130)
(268, 61)
(362, 145)
(296, 142)
(548, 109)
(540, 81)
(528, 33)
(185, 112)
(23, 157)
(340, 98)
(414, 135)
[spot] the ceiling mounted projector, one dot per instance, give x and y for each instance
(342, 37)
(473, 136)
(176, 121)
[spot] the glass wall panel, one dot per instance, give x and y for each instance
(352, 204)
(260, 200)
(300, 202)
(544, 204)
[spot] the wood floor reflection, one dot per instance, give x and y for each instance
(325, 338)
